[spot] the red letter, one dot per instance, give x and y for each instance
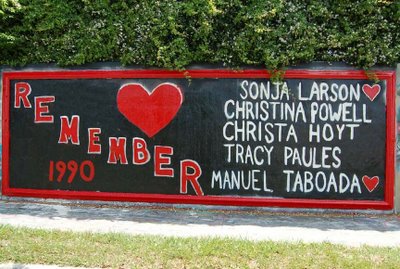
(117, 150)
(69, 130)
(159, 160)
(41, 110)
(90, 165)
(193, 177)
(140, 153)
(22, 90)
(93, 147)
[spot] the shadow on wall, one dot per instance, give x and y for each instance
(398, 133)
(397, 119)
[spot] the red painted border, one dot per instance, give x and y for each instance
(388, 76)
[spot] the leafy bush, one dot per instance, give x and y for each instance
(176, 33)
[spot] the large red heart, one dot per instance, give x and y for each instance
(371, 91)
(149, 111)
(370, 182)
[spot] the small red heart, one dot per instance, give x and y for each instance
(149, 111)
(371, 91)
(370, 182)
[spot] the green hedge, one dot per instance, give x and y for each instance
(176, 33)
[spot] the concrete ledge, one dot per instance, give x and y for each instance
(349, 229)
(166, 206)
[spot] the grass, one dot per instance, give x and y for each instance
(22, 245)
